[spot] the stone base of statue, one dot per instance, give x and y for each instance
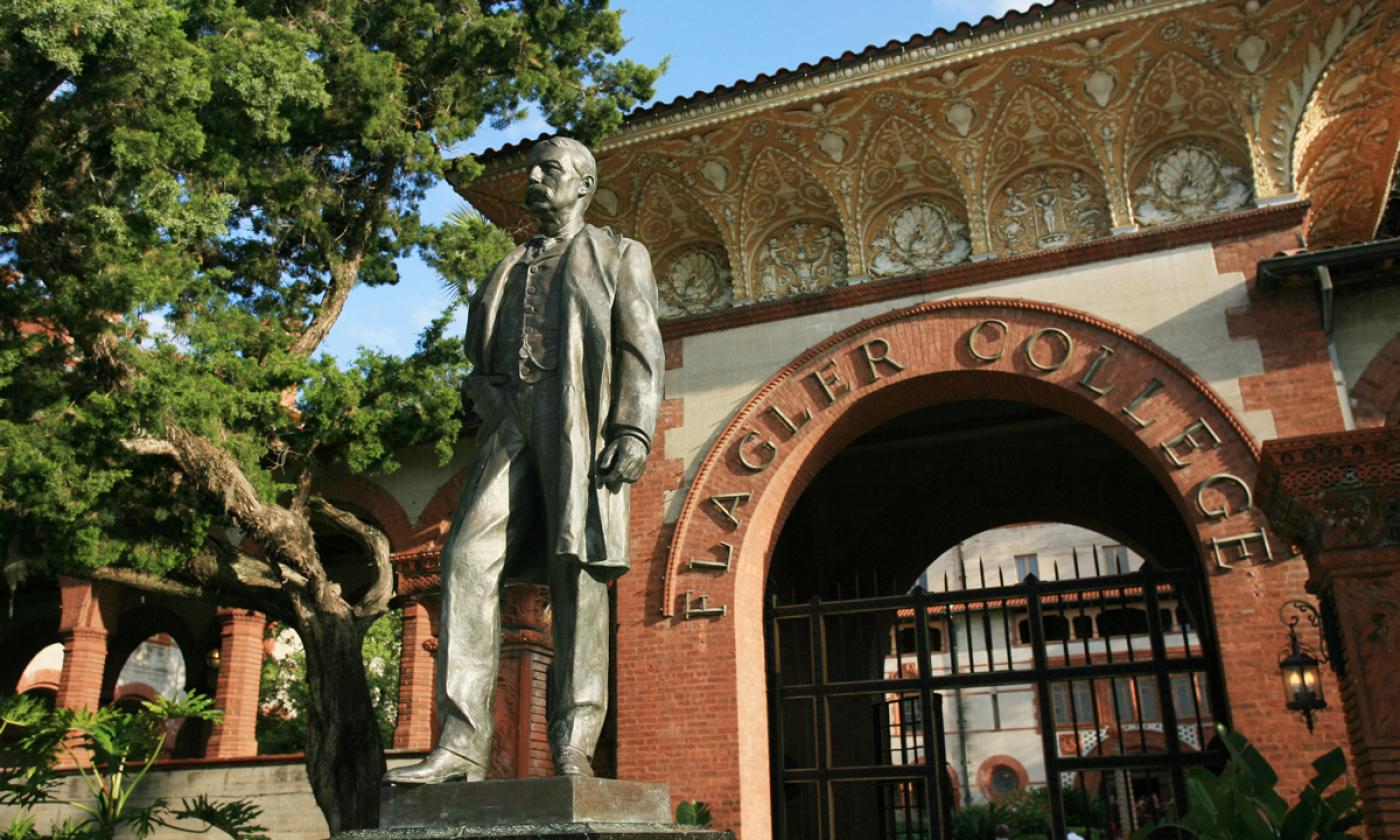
(564, 808)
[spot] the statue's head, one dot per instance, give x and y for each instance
(561, 177)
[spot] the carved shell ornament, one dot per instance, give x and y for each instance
(801, 258)
(919, 237)
(1189, 181)
(696, 281)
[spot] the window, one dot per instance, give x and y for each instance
(1083, 627)
(1137, 699)
(1149, 705)
(996, 709)
(1186, 699)
(1083, 711)
(1122, 622)
(1123, 708)
(1056, 628)
(1027, 565)
(1115, 560)
(906, 642)
(911, 716)
(1004, 781)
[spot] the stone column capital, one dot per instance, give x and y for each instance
(1334, 494)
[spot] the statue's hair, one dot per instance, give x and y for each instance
(584, 164)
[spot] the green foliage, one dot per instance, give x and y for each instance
(283, 694)
(1242, 801)
(694, 813)
(1027, 813)
(113, 750)
(192, 189)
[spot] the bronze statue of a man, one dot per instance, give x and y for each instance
(566, 376)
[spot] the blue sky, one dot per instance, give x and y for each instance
(710, 43)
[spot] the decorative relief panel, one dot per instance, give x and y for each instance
(1047, 208)
(1188, 181)
(692, 281)
(918, 236)
(803, 257)
(670, 214)
(901, 159)
(1177, 98)
(777, 186)
(1034, 130)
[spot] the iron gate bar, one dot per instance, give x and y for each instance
(1167, 703)
(775, 722)
(1134, 580)
(822, 746)
(1049, 738)
(1141, 668)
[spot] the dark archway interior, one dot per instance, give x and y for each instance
(886, 506)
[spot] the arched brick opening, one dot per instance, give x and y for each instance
(375, 501)
(1175, 427)
(140, 623)
(1376, 397)
(21, 646)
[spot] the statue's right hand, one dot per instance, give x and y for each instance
(481, 396)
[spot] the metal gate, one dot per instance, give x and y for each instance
(1087, 698)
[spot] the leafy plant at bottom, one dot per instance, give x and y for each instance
(694, 813)
(1241, 801)
(112, 750)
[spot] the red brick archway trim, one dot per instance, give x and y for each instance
(376, 501)
(1377, 392)
(789, 429)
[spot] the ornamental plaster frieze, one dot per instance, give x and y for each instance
(852, 77)
(1086, 125)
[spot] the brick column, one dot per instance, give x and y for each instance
(83, 626)
(240, 671)
(1337, 496)
(417, 670)
(520, 745)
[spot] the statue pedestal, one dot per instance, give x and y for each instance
(565, 808)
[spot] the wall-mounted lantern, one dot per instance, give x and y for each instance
(214, 659)
(1300, 663)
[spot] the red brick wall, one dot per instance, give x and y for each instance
(240, 670)
(417, 669)
(1297, 384)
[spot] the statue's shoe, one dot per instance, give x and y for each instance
(439, 766)
(572, 761)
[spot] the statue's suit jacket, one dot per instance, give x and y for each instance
(609, 380)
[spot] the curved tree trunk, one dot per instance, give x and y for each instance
(344, 758)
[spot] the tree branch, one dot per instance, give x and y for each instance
(149, 446)
(133, 579)
(345, 272)
(285, 537)
(373, 603)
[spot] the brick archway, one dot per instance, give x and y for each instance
(1376, 397)
(1112, 379)
(1118, 382)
